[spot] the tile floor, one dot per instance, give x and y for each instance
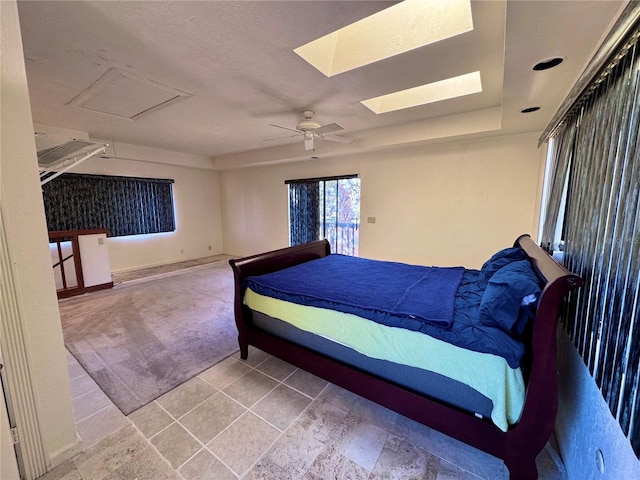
(263, 419)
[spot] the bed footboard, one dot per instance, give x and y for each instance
(518, 447)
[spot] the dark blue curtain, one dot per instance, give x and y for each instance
(123, 205)
(304, 211)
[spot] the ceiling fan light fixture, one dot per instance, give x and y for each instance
(308, 141)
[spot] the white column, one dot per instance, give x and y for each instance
(32, 345)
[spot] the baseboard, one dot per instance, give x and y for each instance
(158, 276)
(151, 265)
(160, 264)
(65, 453)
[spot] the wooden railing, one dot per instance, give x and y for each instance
(72, 279)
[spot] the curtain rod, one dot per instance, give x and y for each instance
(319, 179)
(621, 33)
(118, 177)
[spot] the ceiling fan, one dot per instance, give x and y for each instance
(311, 130)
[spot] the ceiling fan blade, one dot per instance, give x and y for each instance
(331, 127)
(337, 138)
(286, 128)
(308, 143)
(280, 138)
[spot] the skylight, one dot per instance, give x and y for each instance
(405, 26)
(429, 93)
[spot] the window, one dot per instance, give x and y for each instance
(325, 208)
(123, 205)
(594, 208)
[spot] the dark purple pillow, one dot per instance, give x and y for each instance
(502, 303)
(501, 259)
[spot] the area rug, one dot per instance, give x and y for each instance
(143, 338)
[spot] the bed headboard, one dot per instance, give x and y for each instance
(545, 264)
(542, 386)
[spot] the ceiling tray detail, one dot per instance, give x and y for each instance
(125, 95)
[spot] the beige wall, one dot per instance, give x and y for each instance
(445, 204)
(30, 273)
(196, 201)
(196, 194)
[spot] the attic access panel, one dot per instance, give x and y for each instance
(125, 95)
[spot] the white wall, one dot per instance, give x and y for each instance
(584, 424)
(94, 252)
(196, 194)
(444, 204)
(26, 241)
(8, 465)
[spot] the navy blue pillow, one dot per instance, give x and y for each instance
(501, 259)
(503, 298)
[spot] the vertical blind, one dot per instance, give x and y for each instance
(327, 207)
(596, 167)
(123, 205)
(304, 211)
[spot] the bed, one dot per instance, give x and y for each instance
(477, 361)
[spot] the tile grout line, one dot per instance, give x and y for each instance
(207, 449)
(77, 421)
(87, 392)
(148, 441)
(247, 410)
(282, 432)
(280, 435)
(205, 446)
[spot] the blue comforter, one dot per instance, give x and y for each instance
(394, 294)
(465, 331)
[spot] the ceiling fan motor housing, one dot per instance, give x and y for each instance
(307, 124)
(310, 130)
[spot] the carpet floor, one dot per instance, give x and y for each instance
(141, 339)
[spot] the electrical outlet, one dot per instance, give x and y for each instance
(100, 241)
(371, 219)
(209, 247)
(181, 251)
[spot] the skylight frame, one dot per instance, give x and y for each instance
(447, 89)
(398, 29)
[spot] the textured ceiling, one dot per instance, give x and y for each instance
(236, 59)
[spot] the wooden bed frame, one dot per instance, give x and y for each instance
(518, 447)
